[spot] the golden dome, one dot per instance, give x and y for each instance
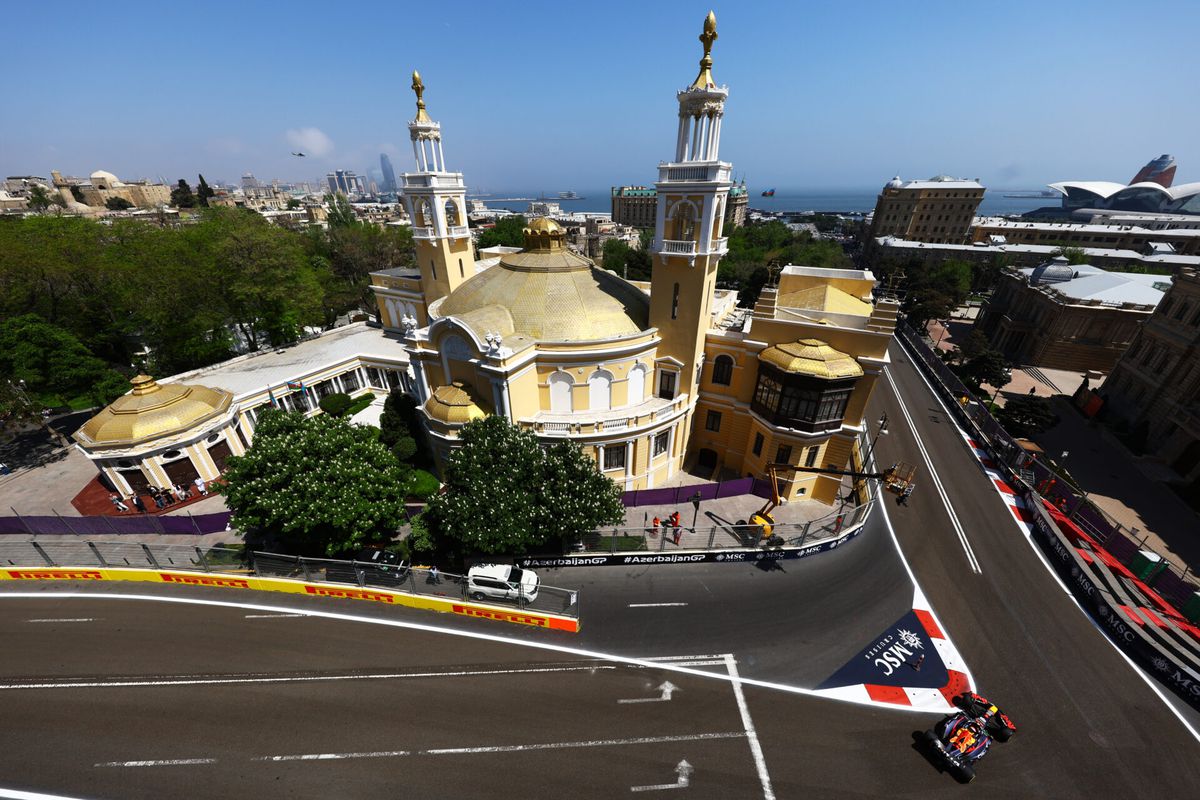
(151, 412)
(454, 405)
(544, 235)
(552, 294)
(811, 357)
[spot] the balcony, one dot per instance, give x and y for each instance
(459, 232)
(424, 233)
(678, 248)
(428, 180)
(694, 173)
(599, 423)
(720, 246)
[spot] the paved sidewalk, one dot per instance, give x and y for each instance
(1111, 476)
(48, 488)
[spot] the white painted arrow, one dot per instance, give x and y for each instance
(666, 687)
(683, 769)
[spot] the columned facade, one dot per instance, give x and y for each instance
(689, 241)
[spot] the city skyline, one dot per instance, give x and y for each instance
(1001, 97)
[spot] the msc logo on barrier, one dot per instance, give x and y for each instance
(204, 580)
(500, 616)
(55, 574)
(350, 594)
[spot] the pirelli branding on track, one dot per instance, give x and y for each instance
(330, 590)
(53, 574)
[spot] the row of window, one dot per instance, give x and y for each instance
(615, 455)
(783, 454)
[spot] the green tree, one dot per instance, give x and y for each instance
(1074, 255)
(39, 198)
(1026, 415)
(315, 485)
(117, 204)
(508, 231)
(505, 494)
(990, 367)
(341, 213)
(401, 430)
(614, 256)
(336, 404)
(181, 195)
(54, 367)
(293, 203)
(973, 346)
(204, 192)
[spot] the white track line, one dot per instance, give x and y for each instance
(937, 483)
(16, 794)
(1154, 686)
(654, 605)
(271, 616)
(760, 763)
(173, 762)
(462, 633)
(77, 619)
(119, 684)
(448, 751)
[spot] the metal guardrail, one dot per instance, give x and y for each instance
(1121, 543)
(415, 580)
(636, 539)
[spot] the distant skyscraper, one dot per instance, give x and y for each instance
(344, 181)
(389, 174)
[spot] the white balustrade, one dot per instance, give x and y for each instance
(675, 247)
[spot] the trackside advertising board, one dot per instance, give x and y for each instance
(1096, 600)
(724, 556)
(535, 619)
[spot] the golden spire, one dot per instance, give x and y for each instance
(419, 88)
(707, 37)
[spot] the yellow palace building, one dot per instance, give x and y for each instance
(646, 377)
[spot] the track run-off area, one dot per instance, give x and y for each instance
(695, 680)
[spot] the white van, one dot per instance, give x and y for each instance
(502, 582)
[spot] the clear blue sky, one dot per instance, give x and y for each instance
(540, 95)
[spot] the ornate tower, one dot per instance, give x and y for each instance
(437, 205)
(689, 241)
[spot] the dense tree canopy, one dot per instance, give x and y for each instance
(754, 247)
(508, 231)
(316, 485)
(52, 368)
(184, 292)
(505, 494)
(1026, 415)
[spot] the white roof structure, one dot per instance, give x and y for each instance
(939, 182)
(1092, 284)
(1047, 250)
(254, 373)
(1102, 188)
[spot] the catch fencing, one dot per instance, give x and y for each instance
(415, 580)
(678, 495)
(618, 540)
(101, 525)
(1123, 544)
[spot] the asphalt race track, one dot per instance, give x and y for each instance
(122, 698)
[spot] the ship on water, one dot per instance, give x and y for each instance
(570, 196)
(768, 193)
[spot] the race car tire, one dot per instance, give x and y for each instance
(929, 737)
(1000, 732)
(969, 704)
(964, 774)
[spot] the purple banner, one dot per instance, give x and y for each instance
(198, 524)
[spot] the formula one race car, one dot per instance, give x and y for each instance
(963, 738)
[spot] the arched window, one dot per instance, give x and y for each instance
(722, 371)
(451, 214)
(426, 215)
(637, 385)
(560, 393)
(454, 347)
(600, 390)
(685, 217)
